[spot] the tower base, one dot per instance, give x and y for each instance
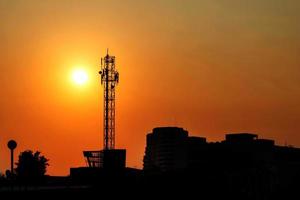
(112, 159)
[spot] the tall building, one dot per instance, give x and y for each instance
(170, 148)
(166, 149)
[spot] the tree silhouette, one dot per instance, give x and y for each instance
(31, 167)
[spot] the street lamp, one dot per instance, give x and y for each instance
(12, 145)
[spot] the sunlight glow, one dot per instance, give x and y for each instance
(79, 76)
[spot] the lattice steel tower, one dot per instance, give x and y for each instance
(109, 78)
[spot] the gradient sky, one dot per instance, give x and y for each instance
(209, 66)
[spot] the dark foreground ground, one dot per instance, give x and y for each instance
(208, 184)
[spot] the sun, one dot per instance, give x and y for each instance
(80, 77)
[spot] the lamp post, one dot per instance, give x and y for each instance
(12, 145)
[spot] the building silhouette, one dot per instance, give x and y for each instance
(166, 149)
(242, 166)
(171, 149)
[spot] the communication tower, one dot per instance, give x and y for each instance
(109, 80)
(109, 157)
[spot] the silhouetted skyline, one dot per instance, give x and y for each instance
(170, 149)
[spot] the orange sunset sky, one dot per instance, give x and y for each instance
(209, 66)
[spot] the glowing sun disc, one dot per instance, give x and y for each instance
(79, 76)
